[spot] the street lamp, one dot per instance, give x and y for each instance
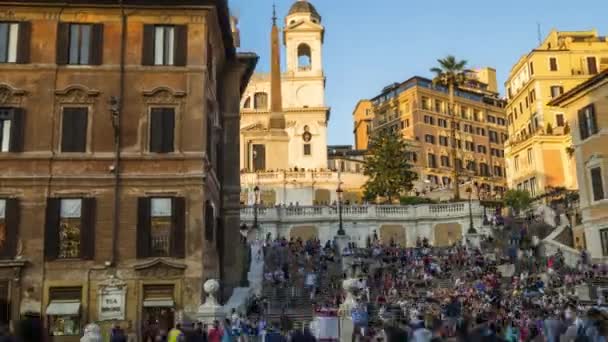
(339, 192)
(471, 228)
(256, 192)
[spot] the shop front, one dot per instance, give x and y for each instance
(64, 314)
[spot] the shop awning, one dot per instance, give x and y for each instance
(63, 308)
(159, 303)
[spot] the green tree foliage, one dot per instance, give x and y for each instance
(518, 200)
(387, 167)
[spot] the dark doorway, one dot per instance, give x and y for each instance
(259, 157)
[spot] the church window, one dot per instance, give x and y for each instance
(304, 57)
(260, 101)
(307, 150)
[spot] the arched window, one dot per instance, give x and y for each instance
(247, 102)
(260, 101)
(304, 57)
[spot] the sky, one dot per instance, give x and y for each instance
(372, 43)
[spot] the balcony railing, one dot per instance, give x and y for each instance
(362, 212)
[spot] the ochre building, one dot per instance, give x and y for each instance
(119, 187)
(538, 150)
(585, 107)
(418, 110)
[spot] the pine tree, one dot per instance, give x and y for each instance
(388, 167)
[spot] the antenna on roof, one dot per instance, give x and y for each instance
(540, 38)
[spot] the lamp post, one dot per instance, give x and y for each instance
(339, 192)
(471, 228)
(256, 192)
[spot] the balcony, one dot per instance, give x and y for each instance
(295, 214)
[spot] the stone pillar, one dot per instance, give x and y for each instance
(211, 310)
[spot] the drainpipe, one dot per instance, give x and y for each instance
(117, 107)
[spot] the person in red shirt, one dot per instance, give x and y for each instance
(215, 333)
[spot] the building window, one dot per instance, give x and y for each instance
(162, 130)
(432, 179)
(70, 228)
(491, 119)
(80, 44)
(426, 103)
(458, 144)
(429, 139)
(503, 137)
(412, 156)
(70, 224)
(552, 63)
(463, 112)
(516, 163)
(429, 120)
(498, 171)
(529, 156)
(604, 241)
(531, 68)
(445, 161)
(9, 225)
(438, 106)
(9, 33)
(501, 121)
(472, 166)
(458, 164)
(11, 129)
(592, 65)
(260, 101)
(64, 311)
(510, 119)
(447, 181)
(482, 149)
(484, 170)
(161, 227)
(480, 131)
(476, 115)
(597, 183)
(304, 57)
(443, 141)
(493, 136)
(442, 123)
(533, 186)
(431, 161)
(587, 122)
(532, 96)
(556, 91)
(74, 129)
(559, 120)
(469, 146)
(165, 45)
(307, 151)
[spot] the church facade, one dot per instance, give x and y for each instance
(284, 116)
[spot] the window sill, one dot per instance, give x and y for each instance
(603, 201)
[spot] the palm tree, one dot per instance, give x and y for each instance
(451, 73)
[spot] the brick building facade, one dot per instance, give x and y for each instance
(119, 187)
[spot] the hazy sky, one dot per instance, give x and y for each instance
(372, 43)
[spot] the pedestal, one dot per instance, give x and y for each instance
(211, 310)
(342, 241)
(474, 240)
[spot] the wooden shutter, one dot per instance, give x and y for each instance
(24, 43)
(17, 130)
(593, 128)
(156, 130)
(178, 239)
(597, 184)
(168, 128)
(74, 130)
(143, 227)
(12, 229)
(582, 124)
(147, 53)
(96, 47)
(51, 232)
(87, 229)
(181, 45)
(209, 221)
(63, 43)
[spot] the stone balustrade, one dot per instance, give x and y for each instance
(362, 212)
(288, 176)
